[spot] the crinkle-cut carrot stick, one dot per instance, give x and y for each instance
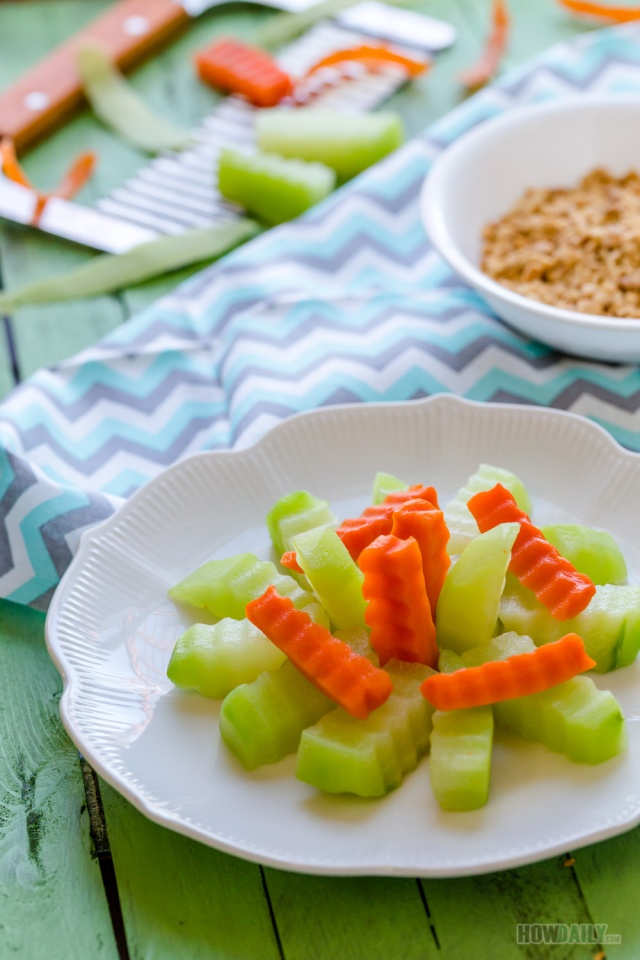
(237, 68)
(603, 11)
(73, 180)
(517, 676)
(374, 58)
(398, 611)
(290, 561)
(330, 664)
(358, 532)
(535, 562)
(425, 523)
(487, 66)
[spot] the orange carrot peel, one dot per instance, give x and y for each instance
(534, 561)
(238, 68)
(602, 11)
(398, 611)
(290, 561)
(358, 532)
(425, 523)
(487, 66)
(73, 180)
(373, 58)
(330, 664)
(517, 676)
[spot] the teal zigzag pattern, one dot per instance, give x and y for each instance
(348, 304)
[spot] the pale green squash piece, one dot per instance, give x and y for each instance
(341, 754)
(460, 761)
(574, 718)
(467, 611)
(609, 625)
(295, 513)
(593, 552)
(261, 722)
(461, 751)
(225, 587)
(335, 578)
(346, 142)
(384, 484)
(274, 189)
(215, 658)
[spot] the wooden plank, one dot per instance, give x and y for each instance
(354, 918)
(608, 877)
(52, 903)
(479, 916)
(181, 899)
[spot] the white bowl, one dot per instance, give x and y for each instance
(481, 176)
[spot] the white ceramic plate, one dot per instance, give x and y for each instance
(111, 630)
(479, 178)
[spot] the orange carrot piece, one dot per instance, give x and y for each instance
(425, 523)
(602, 10)
(373, 57)
(415, 492)
(290, 561)
(534, 561)
(238, 68)
(11, 167)
(358, 532)
(77, 175)
(73, 180)
(330, 664)
(517, 676)
(487, 66)
(398, 611)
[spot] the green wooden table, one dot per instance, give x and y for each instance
(82, 873)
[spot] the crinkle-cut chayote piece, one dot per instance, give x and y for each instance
(274, 189)
(346, 142)
(261, 722)
(462, 526)
(592, 552)
(225, 587)
(574, 717)
(460, 761)
(461, 751)
(467, 611)
(215, 658)
(295, 513)
(384, 484)
(335, 578)
(609, 625)
(340, 754)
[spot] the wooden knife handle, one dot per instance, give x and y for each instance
(48, 93)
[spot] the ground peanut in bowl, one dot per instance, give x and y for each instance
(576, 248)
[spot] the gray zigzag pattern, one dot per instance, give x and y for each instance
(520, 84)
(23, 478)
(313, 321)
(380, 360)
(54, 534)
(118, 395)
(39, 436)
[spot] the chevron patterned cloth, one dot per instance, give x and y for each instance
(348, 304)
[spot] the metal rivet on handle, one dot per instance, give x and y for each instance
(36, 100)
(136, 26)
